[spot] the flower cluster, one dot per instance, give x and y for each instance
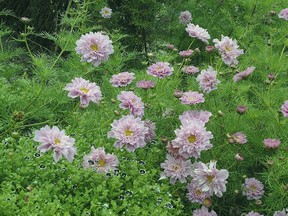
(106, 12)
(94, 48)
(160, 70)
(209, 179)
(228, 49)
(185, 17)
(204, 212)
(241, 75)
(100, 161)
(85, 90)
(196, 31)
(129, 131)
(207, 80)
(58, 141)
(122, 79)
(192, 98)
(253, 189)
(176, 169)
(190, 69)
(132, 102)
(283, 14)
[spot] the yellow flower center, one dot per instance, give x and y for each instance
(228, 48)
(106, 12)
(84, 90)
(101, 163)
(253, 188)
(210, 178)
(192, 138)
(94, 47)
(198, 192)
(176, 168)
(56, 141)
(128, 132)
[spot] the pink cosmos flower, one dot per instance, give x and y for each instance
(281, 213)
(192, 138)
(186, 53)
(207, 80)
(100, 161)
(283, 14)
(176, 169)
(241, 75)
(106, 12)
(130, 132)
(160, 70)
(53, 138)
(94, 47)
(196, 31)
(195, 195)
(145, 84)
(85, 90)
(190, 69)
(228, 49)
(253, 189)
(150, 135)
(132, 102)
(122, 79)
(191, 98)
(271, 143)
(239, 137)
(252, 213)
(204, 212)
(185, 17)
(209, 179)
(284, 108)
(193, 115)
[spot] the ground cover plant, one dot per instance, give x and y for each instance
(150, 108)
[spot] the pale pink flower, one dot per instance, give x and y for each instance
(185, 17)
(160, 70)
(176, 169)
(190, 69)
(132, 102)
(253, 189)
(193, 115)
(271, 143)
(252, 213)
(85, 90)
(284, 108)
(209, 179)
(122, 79)
(192, 138)
(53, 138)
(100, 161)
(106, 12)
(196, 31)
(239, 137)
(130, 132)
(204, 212)
(281, 213)
(241, 75)
(186, 53)
(283, 14)
(229, 50)
(94, 47)
(145, 84)
(191, 98)
(195, 194)
(207, 80)
(150, 135)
